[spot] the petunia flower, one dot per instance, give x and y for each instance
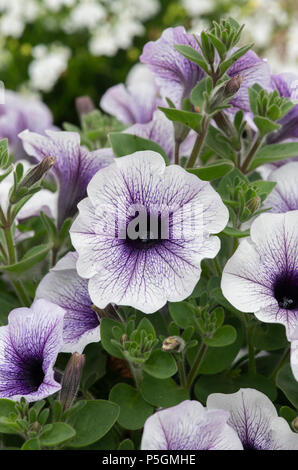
(63, 287)
(29, 346)
(160, 261)
(177, 75)
(18, 113)
(284, 196)
(287, 86)
(135, 102)
(189, 426)
(254, 417)
(74, 166)
(262, 275)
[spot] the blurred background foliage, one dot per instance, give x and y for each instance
(61, 49)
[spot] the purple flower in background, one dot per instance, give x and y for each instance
(262, 275)
(254, 417)
(287, 85)
(284, 196)
(175, 74)
(74, 166)
(29, 346)
(189, 426)
(19, 113)
(65, 288)
(161, 131)
(135, 102)
(161, 259)
(253, 69)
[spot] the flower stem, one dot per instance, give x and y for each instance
(12, 258)
(258, 142)
(195, 367)
(199, 143)
(181, 370)
(177, 148)
(251, 348)
(137, 374)
(281, 362)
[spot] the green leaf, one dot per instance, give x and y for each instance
(193, 55)
(160, 365)
(226, 64)
(127, 444)
(288, 414)
(189, 119)
(234, 232)
(134, 410)
(218, 44)
(146, 325)
(95, 365)
(265, 125)
(93, 421)
(32, 257)
(274, 153)
(269, 337)
(207, 384)
(162, 392)
(223, 336)
(106, 334)
(263, 188)
(182, 313)
(126, 144)
(197, 95)
(212, 171)
(31, 444)
(8, 426)
(55, 434)
(216, 142)
(287, 383)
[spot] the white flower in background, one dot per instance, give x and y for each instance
(55, 5)
(15, 15)
(87, 14)
(199, 7)
(48, 64)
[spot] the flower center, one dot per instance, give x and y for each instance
(286, 290)
(33, 374)
(147, 230)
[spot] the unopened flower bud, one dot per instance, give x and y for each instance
(173, 343)
(254, 204)
(108, 312)
(71, 380)
(124, 338)
(232, 86)
(84, 105)
(295, 424)
(35, 426)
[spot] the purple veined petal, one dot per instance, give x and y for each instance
(253, 70)
(262, 275)
(284, 196)
(63, 287)
(136, 102)
(74, 166)
(146, 271)
(29, 346)
(254, 417)
(189, 426)
(19, 113)
(175, 74)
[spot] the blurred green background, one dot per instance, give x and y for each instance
(57, 48)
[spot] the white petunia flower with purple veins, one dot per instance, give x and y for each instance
(64, 287)
(74, 166)
(143, 231)
(254, 418)
(135, 102)
(262, 275)
(29, 346)
(284, 197)
(189, 426)
(19, 113)
(177, 75)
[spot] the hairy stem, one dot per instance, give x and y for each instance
(195, 367)
(199, 143)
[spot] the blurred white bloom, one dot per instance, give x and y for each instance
(55, 5)
(198, 7)
(11, 25)
(86, 14)
(103, 42)
(47, 66)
